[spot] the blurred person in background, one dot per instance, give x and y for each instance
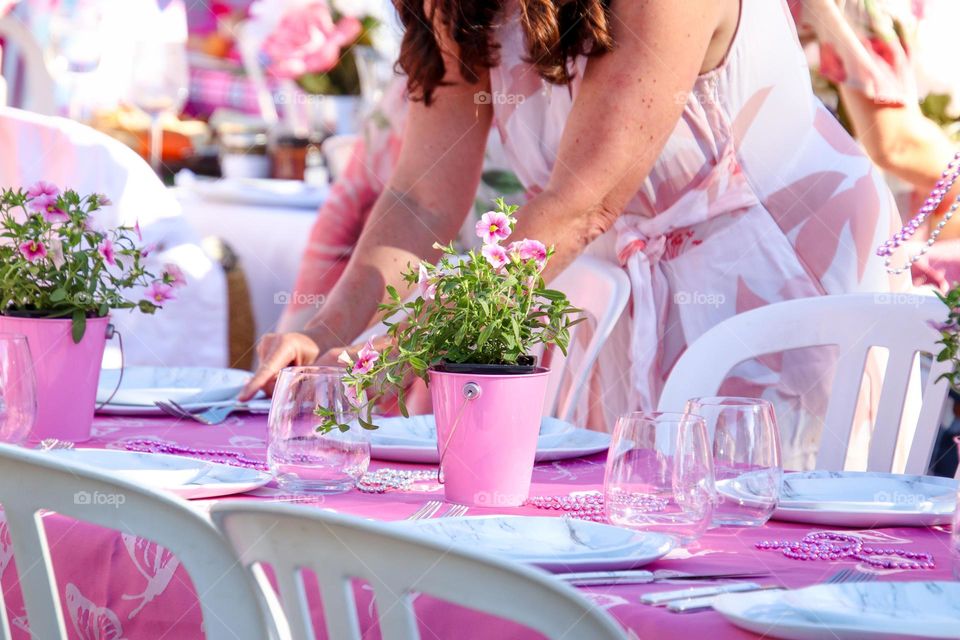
(870, 53)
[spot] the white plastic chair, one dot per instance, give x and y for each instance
(900, 323)
(397, 565)
(36, 85)
(32, 481)
(601, 290)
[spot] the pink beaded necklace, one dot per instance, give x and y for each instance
(826, 545)
(932, 203)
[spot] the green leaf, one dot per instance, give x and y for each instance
(79, 325)
(58, 295)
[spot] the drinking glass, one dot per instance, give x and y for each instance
(955, 540)
(746, 458)
(75, 47)
(300, 457)
(659, 475)
(159, 86)
(18, 389)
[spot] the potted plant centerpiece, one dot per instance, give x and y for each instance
(60, 277)
(471, 334)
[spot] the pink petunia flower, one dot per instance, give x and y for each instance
(495, 255)
(307, 40)
(147, 250)
(107, 253)
(42, 188)
(365, 358)
(173, 275)
(46, 205)
(158, 292)
(527, 249)
(426, 284)
(351, 392)
(136, 228)
(493, 227)
(56, 252)
(33, 250)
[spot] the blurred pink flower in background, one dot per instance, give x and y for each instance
(173, 275)
(106, 251)
(529, 250)
(6, 5)
(158, 293)
(307, 40)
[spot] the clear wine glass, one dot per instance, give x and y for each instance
(659, 475)
(18, 389)
(301, 458)
(159, 86)
(746, 458)
(74, 47)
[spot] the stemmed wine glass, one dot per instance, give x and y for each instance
(159, 85)
(74, 48)
(18, 389)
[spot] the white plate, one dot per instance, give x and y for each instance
(860, 498)
(142, 386)
(260, 192)
(186, 477)
(853, 611)
(414, 439)
(256, 407)
(555, 544)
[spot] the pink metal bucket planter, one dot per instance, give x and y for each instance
(67, 374)
(487, 430)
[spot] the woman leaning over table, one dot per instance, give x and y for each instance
(680, 139)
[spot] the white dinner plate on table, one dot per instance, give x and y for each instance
(554, 544)
(294, 194)
(186, 477)
(860, 498)
(143, 386)
(850, 611)
(414, 439)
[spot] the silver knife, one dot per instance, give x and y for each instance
(635, 576)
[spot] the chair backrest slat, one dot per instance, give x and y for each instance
(397, 564)
(33, 481)
(853, 323)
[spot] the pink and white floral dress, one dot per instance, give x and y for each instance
(758, 196)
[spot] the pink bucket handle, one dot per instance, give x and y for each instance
(471, 391)
(110, 332)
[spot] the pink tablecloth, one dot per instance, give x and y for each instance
(115, 585)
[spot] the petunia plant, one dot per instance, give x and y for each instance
(54, 263)
(489, 307)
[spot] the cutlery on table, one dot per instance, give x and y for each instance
(640, 576)
(426, 511)
(455, 511)
(210, 414)
(683, 601)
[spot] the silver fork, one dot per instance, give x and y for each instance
(426, 511)
(849, 575)
(456, 511)
(211, 416)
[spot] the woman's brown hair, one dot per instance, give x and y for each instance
(555, 31)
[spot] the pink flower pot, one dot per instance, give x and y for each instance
(487, 430)
(67, 374)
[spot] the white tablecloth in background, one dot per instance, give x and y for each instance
(268, 241)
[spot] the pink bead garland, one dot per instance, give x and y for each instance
(932, 203)
(824, 545)
(145, 445)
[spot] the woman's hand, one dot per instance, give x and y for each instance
(276, 351)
